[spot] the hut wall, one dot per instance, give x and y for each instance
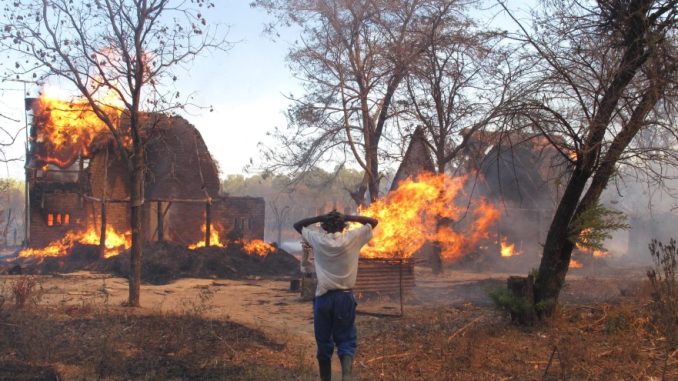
(242, 217)
(184, 222)
(67, 213)
(117, 214)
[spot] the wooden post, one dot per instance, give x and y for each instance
(400, 281)
(102, 237)
(208, 222)
(161, 227)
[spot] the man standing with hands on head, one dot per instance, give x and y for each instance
(336, 250)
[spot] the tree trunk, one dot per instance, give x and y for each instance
(522, 288)
(358, 196)
(136, 205)
(558, 247)
(435, 258)
(373, 179)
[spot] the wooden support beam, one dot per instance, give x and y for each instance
(208, 223)
(102, 238)
(161, 228)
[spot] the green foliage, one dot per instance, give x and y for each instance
(316, 181)
(506, 301)
(594, 225)
(11, 185)
(547, 304)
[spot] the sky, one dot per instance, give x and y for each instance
(245, 86)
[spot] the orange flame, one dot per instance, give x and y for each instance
(258, 247)
(115, 243)
(214, 238)
(583, 238)
(508, 249)
(68, 128)
(424, 210)
(575, 265)
(600, 253)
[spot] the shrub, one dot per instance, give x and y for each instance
(26, 289)
(664, 285)
(506, 301)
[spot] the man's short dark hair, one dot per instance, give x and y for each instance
(334, 222)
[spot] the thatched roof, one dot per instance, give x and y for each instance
(179, 164)
(522, 174)
(417, 159)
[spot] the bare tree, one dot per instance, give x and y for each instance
(352, 57)
(129, 48)
(454, 89)
(458, 84)
(601, 74)
(281, 215)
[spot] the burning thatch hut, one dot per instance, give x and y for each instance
(520, 174)
(76, 182)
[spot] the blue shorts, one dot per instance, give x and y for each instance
(334, 323)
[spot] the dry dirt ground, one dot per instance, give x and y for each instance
(73, 327)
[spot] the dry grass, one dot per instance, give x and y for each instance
(91, 339)
(593, 342)
(83, 343)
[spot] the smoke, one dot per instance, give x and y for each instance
(651, 206)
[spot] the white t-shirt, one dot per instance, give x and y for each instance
(336, 256)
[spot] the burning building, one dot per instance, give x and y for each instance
(78, 185)
(520, 174)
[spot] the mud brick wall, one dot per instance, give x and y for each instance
(55, 202)
(232, 217)
(241, 216)
(183, 222)
(117, 214)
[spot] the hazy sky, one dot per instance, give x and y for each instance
(245, 85)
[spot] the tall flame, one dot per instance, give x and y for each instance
(68, 128)
(422, 210)
(115, 243)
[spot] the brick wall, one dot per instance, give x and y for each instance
(67, 213)
(232, 217)
(117, 214)
(244, 214)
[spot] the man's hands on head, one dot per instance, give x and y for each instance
(334, 215)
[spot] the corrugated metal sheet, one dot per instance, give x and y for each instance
(385, 276)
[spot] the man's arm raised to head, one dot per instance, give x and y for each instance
(363, 220)
(308, 221)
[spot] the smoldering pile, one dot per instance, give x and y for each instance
(164, 262)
